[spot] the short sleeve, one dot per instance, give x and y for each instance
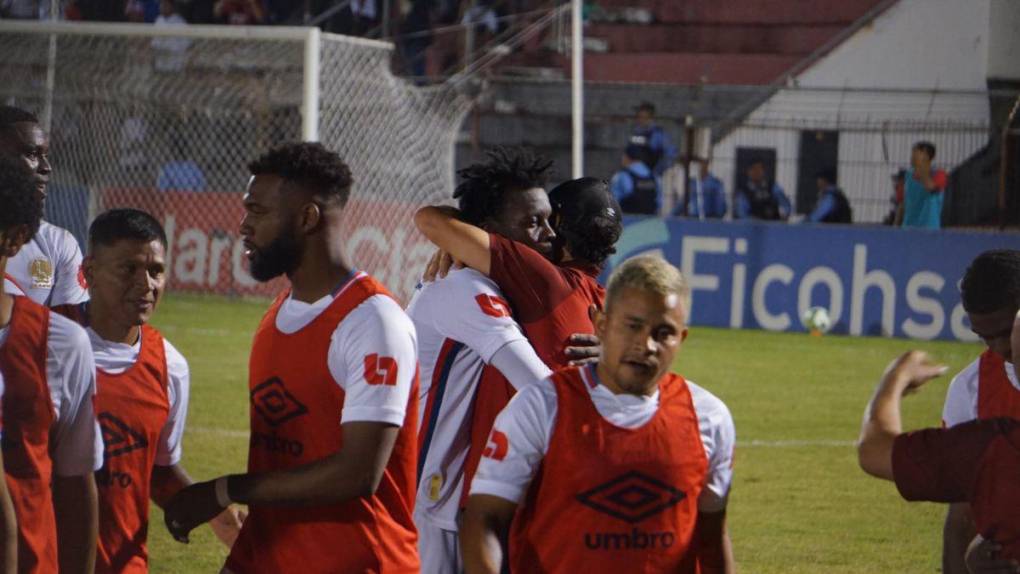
(466, 306)
(77, 444)
(168, 451)
(517, 444)
(69, 280)
(940, 465)
(962, 397)
(719, 437)
(373, 357)
(530, 282)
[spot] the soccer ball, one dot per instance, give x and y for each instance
(816, 320)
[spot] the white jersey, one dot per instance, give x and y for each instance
(115, 358)
(76, 445)
(48, 268)
(377, 325)
(463, 323)
(529, 420)
(962, 397)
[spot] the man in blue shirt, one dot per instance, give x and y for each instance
(635, 187)
(656, 149)
(706, 197)
(832, 206)
(924, 190)
(758, 198)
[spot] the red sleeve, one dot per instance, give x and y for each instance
(940, 465)
(940, 179)
(531, 282)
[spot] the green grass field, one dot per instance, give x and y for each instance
(799, 503)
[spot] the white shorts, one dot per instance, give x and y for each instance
(438, 548)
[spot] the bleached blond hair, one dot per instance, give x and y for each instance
(653, 274)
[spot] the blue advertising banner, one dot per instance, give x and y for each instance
(873, 280)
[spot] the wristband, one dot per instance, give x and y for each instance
(222, 496)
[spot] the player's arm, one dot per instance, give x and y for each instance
(69, 291)
(168, 474)
(712, 540)
(882, 422)
(517, 444)
(463, 241)
(353, 472)
(484, 532)
(9, 526)
(77, 445)
(482, 319)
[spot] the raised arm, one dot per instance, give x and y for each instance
(882, 423)
(463, 241)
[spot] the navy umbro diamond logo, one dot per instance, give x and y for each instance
(272, 401)
(118, 437)
(631, 497)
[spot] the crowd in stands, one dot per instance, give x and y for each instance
(649, 153)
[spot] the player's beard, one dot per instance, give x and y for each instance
(280, 257)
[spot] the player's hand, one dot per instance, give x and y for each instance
(912, 370)
(982, 558)
(192, 506)
(439, 266)
(227, 525)
(584, 349)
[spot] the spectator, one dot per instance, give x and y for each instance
(240, 12)
(416, 36)
(635, 187)
(170, 53)
(759, 198)
(924, 190)
(657, 151)
(832, 205)
(707, 197)
(180, 173)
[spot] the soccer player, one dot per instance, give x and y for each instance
(988, 387)
(551, 302)
(977, 462)
(620, 466)
(51, 440)
(333, 379)
(464, 323)
(47, 268)
(143, 386)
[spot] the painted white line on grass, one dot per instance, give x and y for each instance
(794, 443)
(230, 433)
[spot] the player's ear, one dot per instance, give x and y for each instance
(310, 217)
(683, 335)
(599, 320)
(88, 268)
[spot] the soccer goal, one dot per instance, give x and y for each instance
(167, 118)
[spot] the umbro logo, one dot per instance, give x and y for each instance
(631, 497)
(272, 401)
(118, 437)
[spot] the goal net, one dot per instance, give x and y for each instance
(167, 119)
